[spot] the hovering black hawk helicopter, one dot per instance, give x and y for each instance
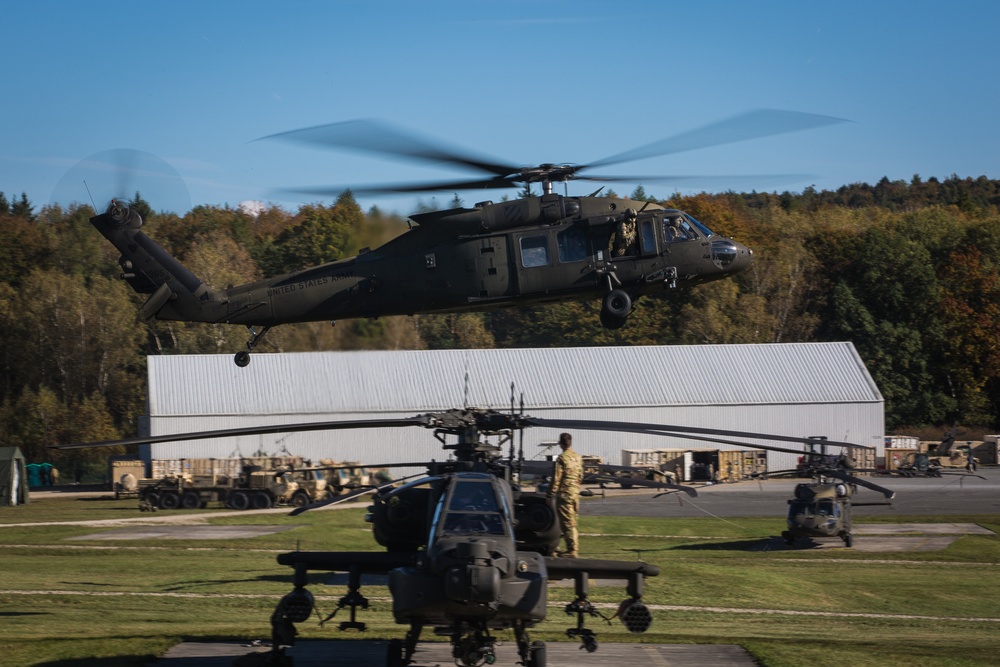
(511, 253)
(467, 550)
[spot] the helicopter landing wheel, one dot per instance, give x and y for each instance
(848, 540)
(789, 539)
(617, 304)
(536, 655)
(242, 358)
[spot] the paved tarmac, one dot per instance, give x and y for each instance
(950, 494)
(438, 654)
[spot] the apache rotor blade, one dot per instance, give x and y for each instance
(648, 483)
(677, 431)
(750, 125)
(253, 430)
(372, 136)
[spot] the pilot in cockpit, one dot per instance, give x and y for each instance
(675, 229)
(473, 509)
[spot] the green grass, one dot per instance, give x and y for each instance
(128, 604)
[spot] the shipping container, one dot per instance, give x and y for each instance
(895, 456)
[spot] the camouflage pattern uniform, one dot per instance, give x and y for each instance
(626, 241)
(566, 489)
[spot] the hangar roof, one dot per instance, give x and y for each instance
(423, 380)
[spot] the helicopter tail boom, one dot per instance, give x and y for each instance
(175, 292)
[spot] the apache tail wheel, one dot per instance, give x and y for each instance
(242, 359)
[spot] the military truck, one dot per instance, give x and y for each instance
(252, 488)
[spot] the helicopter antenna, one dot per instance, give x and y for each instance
(87, 187)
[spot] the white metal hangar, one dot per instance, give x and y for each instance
(800, 389)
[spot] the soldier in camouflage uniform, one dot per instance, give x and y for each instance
(566, 490)
(626, 240)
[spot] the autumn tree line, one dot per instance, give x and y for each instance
(907, 271)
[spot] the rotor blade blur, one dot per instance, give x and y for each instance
(669, 429)
(252, 430)
(717, 181)
(372, 136)
(392, 188)
(750, 125)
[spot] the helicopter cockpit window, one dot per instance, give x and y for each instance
(702, 228)
(534, 251)
(676, 228)
(572, 243)
(473, 509)
(828, 508)
(473, 496)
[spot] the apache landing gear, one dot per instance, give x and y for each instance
(532, 653)
(242, 359)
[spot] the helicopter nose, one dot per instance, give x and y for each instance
(730, 256)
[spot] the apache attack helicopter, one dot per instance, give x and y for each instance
(493, 255)
(467, 549)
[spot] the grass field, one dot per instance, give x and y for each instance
(69, 601)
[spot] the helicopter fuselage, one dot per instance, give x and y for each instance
(820, 510)
(513, 253)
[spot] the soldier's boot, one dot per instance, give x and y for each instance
(572, 541)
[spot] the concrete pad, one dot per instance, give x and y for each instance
(184, 533)
(867, 544)
(921, 529)
(311, 653)
(884, 537)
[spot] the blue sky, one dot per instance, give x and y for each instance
(525, 81)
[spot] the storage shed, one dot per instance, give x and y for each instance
(801, 389)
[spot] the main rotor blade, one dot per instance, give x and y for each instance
(677, 431)
(419, 420)
(750, 125)
(648, 483)
(851, 479)
(372, 136)
(391, 188)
